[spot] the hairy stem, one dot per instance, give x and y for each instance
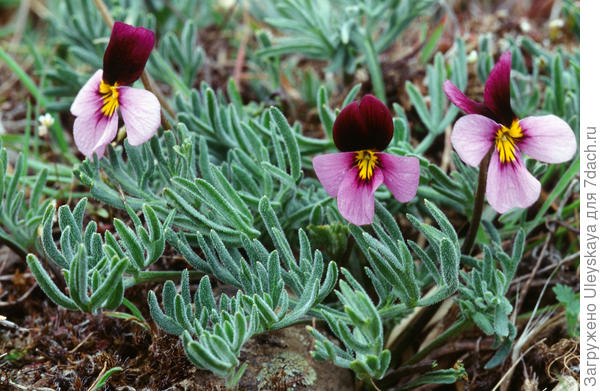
(159, 276)
(478, 205)
(13, 244)
(426, 143)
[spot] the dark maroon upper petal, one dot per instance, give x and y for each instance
(364, 125)
(126, 54)
(349, 131)
(497, 90)
(467, 105)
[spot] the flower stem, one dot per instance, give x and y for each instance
(159, 276)
(426, 143)
(146, 79)
(105, 13)
(478, 205)
(152, 87)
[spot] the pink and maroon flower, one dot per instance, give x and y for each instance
(493, 124)
(361, 131)
(95, 106)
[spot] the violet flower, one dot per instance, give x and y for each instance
(95, 106)
(493, 124)
(361, 131)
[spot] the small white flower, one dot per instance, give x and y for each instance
(46, 120)
(556, 24)
(525, 25)
(502, 14)
(353, 10)
(472, 57)
(226, 4)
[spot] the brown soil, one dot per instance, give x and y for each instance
(45, 346)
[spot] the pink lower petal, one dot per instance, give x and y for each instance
(400, 175)
(510, 185)
(331, 168)
(547, 138)
(141, 113)
(472, 137)
(93, 132)
(356, 199)
(88, 99)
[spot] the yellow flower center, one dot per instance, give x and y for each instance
(506, 140)
(366, 161)
(110, 96)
